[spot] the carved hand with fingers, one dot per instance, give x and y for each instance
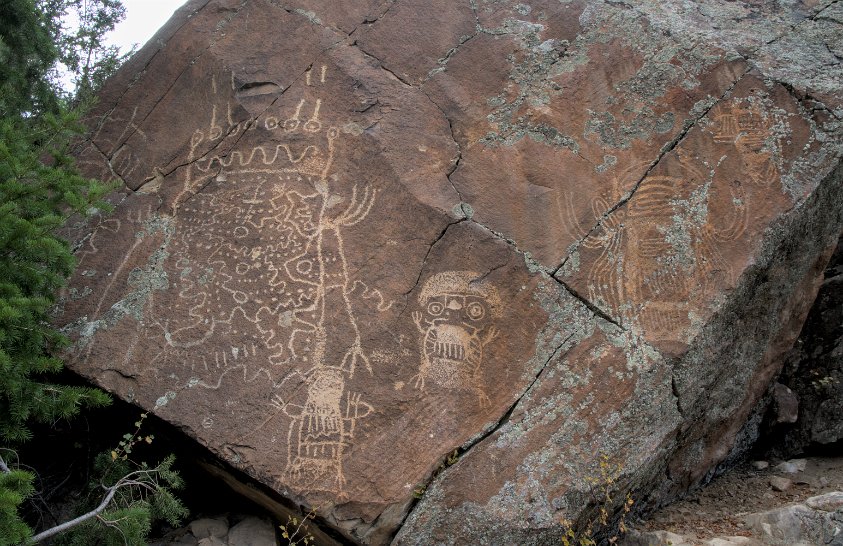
(491, 334)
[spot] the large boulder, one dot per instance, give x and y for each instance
(373, 252)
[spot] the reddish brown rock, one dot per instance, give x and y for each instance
(460, 251)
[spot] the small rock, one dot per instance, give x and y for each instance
(186, 539)
(760, 465)
(823, 481)
(252, 531)
(732, 541)
(655, 538)
(781, 525)
(212, 541)
(785, 404)
(780, 484)
(209, 527)
(174, 537)
(787, 467)
(800, 464)
(830, 502)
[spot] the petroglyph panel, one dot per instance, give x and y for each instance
(262, 246)
(255, 309)
(259, 260)
(333, 260)
(657, 263)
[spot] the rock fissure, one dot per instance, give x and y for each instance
(459, 452)
(381, 15)
(310, 17)
(482, 277)
(110, 166)
(591, 306)
(674, 387)
(508, 413)
(210, 180)
(157, 177)
(245, 125)
(833, 54)
(457, 159)
(819, 13)
(508, 241)
(817, 105)
(382, 66)
(121, 373)
(814, 17)
(429, 250)
(443, 62)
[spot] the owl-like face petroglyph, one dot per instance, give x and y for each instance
(468, 311)
(455, 321)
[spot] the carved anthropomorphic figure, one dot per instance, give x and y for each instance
(323, 427)
(455, 324)
(744, 123)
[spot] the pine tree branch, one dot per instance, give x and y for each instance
(4, 467)
(81, 519)
(126, 481)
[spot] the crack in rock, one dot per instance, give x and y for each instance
(591, 306)
(429, 250)
(445, 463)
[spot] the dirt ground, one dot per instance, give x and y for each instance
(718, 508)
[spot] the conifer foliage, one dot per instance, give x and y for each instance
(39, 190)
(35, 200)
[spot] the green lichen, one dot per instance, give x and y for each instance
(164, 400)
(609, 161)
(463, 210)
(142, 281)
(615, 133)
(531, 72)
(667, 61)
(310, 16)
(571, 265)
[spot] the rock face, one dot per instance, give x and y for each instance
(814, 373)
(370, 252)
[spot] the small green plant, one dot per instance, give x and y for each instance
(130, 439)
(822, 383)
(121, 506)
(450, 460)
(603, 496)
(295, 532)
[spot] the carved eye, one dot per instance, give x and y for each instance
(435, 308)
(475, 311)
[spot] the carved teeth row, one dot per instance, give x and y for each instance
(452, 351)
